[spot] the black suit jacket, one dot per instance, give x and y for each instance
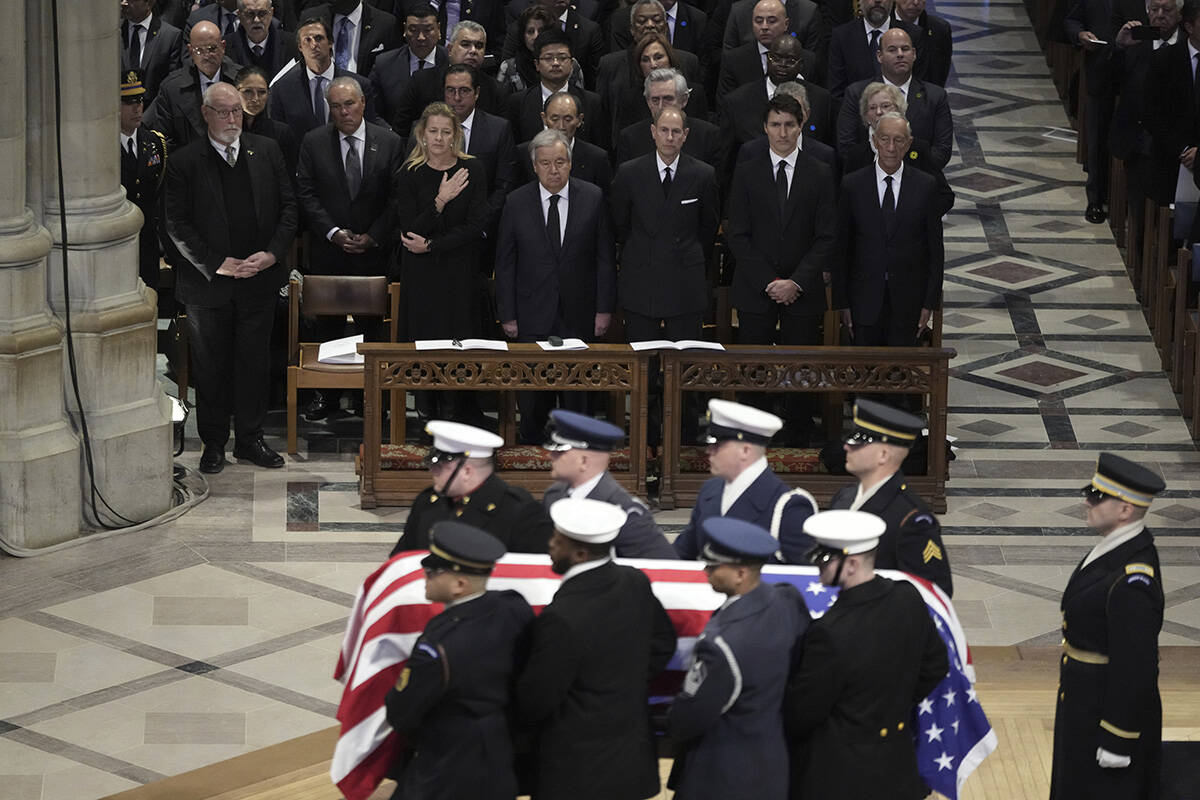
(814, 147)
(805, 22)
(325, 197)
(390, 75)
(1094, 16)
(937, 44)
(917, 156)
(665, 239)
(291, 100)
(743, 64)
(624, 101)
(594, 649)
(176, 110)
(690, 23)
(278, 51)
(587, 41)
(492, 143)
(1171, 114)
(928, 116)
(211, 12)
(429, 86)
(199, 226)
(161, 49)
(1128, 135)
(906, 263)
(796, 244)
(742, 113)
(851, 58)
(379, 33)
(535, 286)
(704, 143)
(525, 114)
(588, 163)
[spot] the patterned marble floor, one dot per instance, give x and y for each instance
(152, 653)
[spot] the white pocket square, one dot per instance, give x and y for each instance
(378, 48)
(692, 200)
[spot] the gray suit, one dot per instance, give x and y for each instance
(640, 536)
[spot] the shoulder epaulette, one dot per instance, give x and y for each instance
(162, 140)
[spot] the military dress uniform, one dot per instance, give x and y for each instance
(507, 512)
(1108, 696)
(142, 176)
(913, 540)
(867, 662)
(729, 716)
(451, 701)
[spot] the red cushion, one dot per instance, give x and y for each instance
(782, 460)
(517, 457)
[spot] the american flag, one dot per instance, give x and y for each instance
(390, 611)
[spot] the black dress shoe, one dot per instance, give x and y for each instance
(319, 407)
(1094, 214)
(258, 452)
(212, 460)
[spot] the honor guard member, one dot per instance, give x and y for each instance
(595, 648)
(1108, 725)
(743, 486)
(450, 703)
(580, 447)
(867, 662)
(143, 163)
(875, 449)
(466, 488)
(729, 715)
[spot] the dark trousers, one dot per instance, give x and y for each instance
(641, 328)
(893, 328)
(230, 347)
(776, 327)
(1098, 117)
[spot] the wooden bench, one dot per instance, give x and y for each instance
(399, 368)
(1191, 355)
(839, 370)
(1118, 200)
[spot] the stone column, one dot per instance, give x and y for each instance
(113, 314)
(39, 453)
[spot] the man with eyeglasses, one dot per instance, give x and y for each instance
(420, 51)
(466, 489)
(1108, 722)
(485, 136)
(552, 58)
(231, 213)
(222, 13)
(451, 701)
(149, 44)
(562, 113)
(260, 40)
(745, 60)
(665, 88)
(875, 449)
(176, 110)
(867, 663)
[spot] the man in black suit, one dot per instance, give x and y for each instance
(260, 40)
(345, 187)
(854, 47)
(552, 54)
(1129, 138)
(814, 147)
(746, 62)
(588, 162)
(667, 88)
(485, 136)
(782, 238)
(393, 68)
(176, 109)
(928, 107)
(595, 648)
(685, 26)
(360, 33)
(143, 161)
(742, 109)
(231, 213)
(587, 41)
(802, 19)
(222, 13)
(1088, 25)
(468, 42)
(554, 262)
(298, 96)
(1173, 116)
(935, 39)
(889, 281)
(148, 44)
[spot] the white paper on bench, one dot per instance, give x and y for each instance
(461, 344)
(341, 351)
(682, 344)
(567, 344)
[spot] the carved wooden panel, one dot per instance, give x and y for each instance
(507, 373)
(807, 375)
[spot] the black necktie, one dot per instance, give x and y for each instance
(781, 185)
(130, 149)
(553, 224)
(135, 46)
(667, 182)
(353, 168)
(320, 110)
(230, 26)
(258, 51)
(420, 64)
(874, 42)
(129, 157)
(888, 206)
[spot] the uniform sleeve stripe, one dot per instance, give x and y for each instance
(1115, 731)
(734, 670)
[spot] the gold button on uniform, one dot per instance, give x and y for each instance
(1064, 659)
(882, 732)
(900, 727)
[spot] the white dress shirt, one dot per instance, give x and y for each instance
(762, 56)
(414, 63)
(585, 488)
(125, 140)
(355, 18)
(903, 87)
(143, 37)
(1114, 540)
(671, 22)
(789, 170)
(1163, 42)
(881, 185)
(884, 28)
(466, 129)
(735, 488)
(563, 203)
(466, 599)
(662, 167)
(862, 496)
(220, 148)
(586, 566)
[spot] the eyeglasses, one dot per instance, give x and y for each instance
(460, 91)
(787, 61)
(554, 59)
(248, 14)
(225, 113)
(205, 49)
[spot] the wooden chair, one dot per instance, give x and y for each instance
(334, 295)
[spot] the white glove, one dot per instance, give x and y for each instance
(1109, 760)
